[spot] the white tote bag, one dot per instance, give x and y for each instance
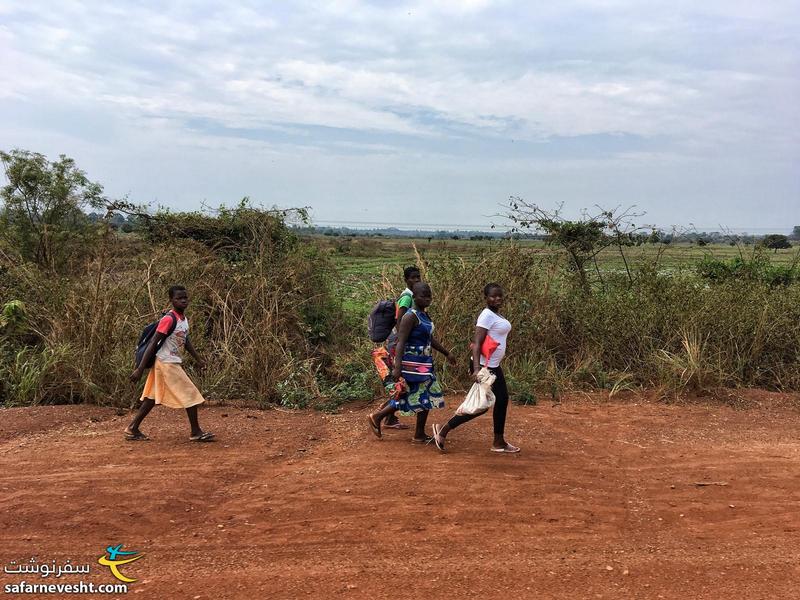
(480, 397)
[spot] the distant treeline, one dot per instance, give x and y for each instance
(657, 236)
(442, 234)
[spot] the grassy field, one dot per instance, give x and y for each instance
(370, 255)
(363, 263)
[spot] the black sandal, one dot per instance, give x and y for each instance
(136, 436)
(206, 436)
(376, 427)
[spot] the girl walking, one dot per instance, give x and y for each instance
(167, 383)
(383, 357)
(488, 349)
(413, 362)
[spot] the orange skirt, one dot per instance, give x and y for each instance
(168, 384)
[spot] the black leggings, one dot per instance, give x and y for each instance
(500, 405)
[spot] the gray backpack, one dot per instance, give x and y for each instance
(381, 320)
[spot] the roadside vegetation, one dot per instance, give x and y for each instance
(280, 313)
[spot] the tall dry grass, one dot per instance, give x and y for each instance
(261, 311)
(647, 327)
(266, 314)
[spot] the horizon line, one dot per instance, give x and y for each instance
(475, 227)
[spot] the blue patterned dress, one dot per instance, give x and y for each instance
(424, 391)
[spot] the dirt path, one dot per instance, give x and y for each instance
(601, 503)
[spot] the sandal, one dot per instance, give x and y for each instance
(508, 449)
(396, 425)
(136, 436)
(436, 439)
(206, 436)
(427, 440)
(376, 428)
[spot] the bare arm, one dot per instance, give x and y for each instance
(408, 323)
(190, 349)
(477, 343)
(148, 355)
(436, 344)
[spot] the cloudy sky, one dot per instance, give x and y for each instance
(420, 112)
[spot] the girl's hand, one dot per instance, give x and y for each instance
(476, 374)
(396, 373)
(200, 365)
(136, 375)
(451, 360)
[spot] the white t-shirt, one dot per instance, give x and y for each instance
(498, 328)
(172, 347)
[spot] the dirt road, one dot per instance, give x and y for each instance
(627, 499)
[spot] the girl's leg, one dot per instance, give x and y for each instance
(193, 420)
(197, 435)
(500, 408)
(457, 420)
(144, 409)
(392, 418)
(382, 413)
(376, 418)
(422, 418)
(392, 421)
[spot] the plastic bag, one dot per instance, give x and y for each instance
(480, 397)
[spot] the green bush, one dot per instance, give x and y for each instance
(758, 269)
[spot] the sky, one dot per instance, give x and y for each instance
(431, 112)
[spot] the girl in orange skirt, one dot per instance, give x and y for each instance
(167, 383)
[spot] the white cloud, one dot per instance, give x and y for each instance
(713, 83)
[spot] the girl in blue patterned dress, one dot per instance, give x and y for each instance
(413, 363)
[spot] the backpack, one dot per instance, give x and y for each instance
(381, 320)
(144, 340)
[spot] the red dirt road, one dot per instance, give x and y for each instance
(603, 502)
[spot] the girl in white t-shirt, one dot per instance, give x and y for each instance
(488, 349)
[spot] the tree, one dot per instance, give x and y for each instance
(43, 206)
(582, 239)
(776, 241)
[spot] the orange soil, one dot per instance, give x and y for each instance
(603, 502)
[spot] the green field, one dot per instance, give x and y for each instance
(363, 263)
(370, 255)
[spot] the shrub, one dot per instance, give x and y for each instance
(257, 312)
(666, 329)
(758, 268)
